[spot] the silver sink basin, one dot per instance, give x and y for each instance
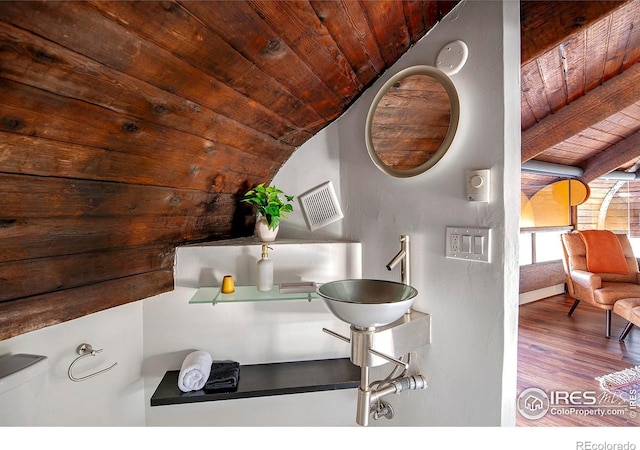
(367, 303)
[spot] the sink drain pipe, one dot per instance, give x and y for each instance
(410, 383)
(366, 397)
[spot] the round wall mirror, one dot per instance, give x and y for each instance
(412, 121)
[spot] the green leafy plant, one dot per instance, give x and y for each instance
(270, 204)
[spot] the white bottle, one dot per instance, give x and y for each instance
(265, 271)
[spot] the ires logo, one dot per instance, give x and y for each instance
(534, 403)
(575, 398)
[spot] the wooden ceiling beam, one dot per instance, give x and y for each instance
(602, 102)
(544, 25)
(615, 156)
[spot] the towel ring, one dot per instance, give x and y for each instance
(85, 350)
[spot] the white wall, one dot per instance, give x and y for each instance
(115, 398)
(471, 363)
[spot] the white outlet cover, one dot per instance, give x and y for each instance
(457, 250)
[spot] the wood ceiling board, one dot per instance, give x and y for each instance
(609, 98)
(533, 93)
(545, 24)
(553, 78)
(244, 30)
(312, 43)
(389, 28)
(573, 54)
(622, 23)
(187, 38)
(612, 158)
(347, 23)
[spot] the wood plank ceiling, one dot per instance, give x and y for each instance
(580, 87)
(127, 128)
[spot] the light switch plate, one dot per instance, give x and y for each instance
(468, 243)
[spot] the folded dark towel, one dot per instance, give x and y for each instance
(224, 375)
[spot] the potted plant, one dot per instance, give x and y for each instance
(271, 208)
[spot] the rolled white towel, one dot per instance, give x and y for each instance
(195, 371)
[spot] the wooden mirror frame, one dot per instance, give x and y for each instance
(454, 101)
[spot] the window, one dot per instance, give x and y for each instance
(541, 244)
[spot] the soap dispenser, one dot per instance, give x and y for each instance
(265, 270)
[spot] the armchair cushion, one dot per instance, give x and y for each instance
(587, 280)
(610, 293)
(604, 252)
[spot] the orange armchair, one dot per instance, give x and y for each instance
(599, 288)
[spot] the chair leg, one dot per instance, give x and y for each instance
(573, 307)
(626, 331)
(608, 323)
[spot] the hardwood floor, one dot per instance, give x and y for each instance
(560, 353)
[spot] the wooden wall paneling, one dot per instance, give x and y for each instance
(24, 315)
(32, 196)
(240, 25)
(311, 41)
(29, 238)
(39, 113)
(414, 17)
(389, 28)
(185, 39)
(35, 156)
(43, 64)
(603, 213)
(70, 23)
(588, 212)
(431, 12)
(30, 277)
(350, 29)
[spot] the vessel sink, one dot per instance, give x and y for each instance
(367, 303)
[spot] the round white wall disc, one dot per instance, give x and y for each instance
(452, 57)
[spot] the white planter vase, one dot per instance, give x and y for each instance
(263, 232)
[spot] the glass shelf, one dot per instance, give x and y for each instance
(247, 294)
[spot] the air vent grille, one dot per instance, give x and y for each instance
(320, 206)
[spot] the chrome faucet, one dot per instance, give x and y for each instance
(403, 257)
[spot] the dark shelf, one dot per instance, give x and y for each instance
(260, 380)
